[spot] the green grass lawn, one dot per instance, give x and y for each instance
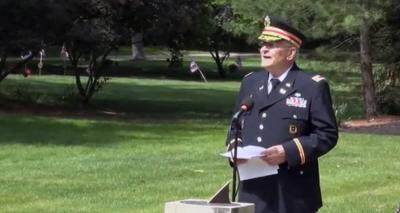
(52, 164)
(75, 165)
(163, 146)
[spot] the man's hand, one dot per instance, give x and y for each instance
(274, 155)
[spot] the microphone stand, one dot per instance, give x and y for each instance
(238, 132)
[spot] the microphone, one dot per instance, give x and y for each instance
(245, 106)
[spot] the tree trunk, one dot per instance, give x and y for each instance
(391, 74)
(137, 46)
(369, 97)
(219, 61)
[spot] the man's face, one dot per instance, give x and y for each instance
(275, 54)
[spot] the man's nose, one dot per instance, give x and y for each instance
(264, 49)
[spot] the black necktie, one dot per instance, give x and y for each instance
(274, 83)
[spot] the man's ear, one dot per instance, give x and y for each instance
(292, 54)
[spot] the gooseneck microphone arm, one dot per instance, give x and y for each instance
(245, 106)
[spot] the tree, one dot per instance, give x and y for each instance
(90, 32)
(386, 45)
(324, 20)
(177, 25)
(370, 104)
(20, 31)
(218, 38)
(136, 17)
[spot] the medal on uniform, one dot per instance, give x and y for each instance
(296, 102)
(292, 129)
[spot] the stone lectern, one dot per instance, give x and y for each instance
(219, 203)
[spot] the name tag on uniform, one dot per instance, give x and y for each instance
(296, 102)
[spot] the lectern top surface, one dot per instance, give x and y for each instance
(206, 203)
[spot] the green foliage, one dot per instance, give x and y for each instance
(176, 58)
(23, 28)
(340, 111)
(319, 19)
(389, 100)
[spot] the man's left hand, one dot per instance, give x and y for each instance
(274, 155)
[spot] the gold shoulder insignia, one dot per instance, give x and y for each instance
(318, 78)
(248, 74)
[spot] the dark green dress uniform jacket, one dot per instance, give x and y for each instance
(298, 115)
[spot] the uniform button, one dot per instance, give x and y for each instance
(301, 172)
(259, 139)
(264, 115)
(295, 116)
(261, 127)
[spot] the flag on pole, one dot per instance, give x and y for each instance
(64, 52)
(194, 67)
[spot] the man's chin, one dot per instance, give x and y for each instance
(265, 64)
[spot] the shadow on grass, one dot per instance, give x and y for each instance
(166, 99)
(47, 130)
(158, 100)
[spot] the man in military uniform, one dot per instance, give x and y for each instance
(292, 117)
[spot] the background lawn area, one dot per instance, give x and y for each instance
(52, 164)
(149, 141)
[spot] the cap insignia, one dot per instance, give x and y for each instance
(267, 21)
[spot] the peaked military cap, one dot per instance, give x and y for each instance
(276, 29)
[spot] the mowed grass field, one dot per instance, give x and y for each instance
(162, 145)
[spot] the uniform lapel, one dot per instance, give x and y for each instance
(261, 90)
(283, 90)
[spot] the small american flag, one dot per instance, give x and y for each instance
(194, 67)
(64, 52)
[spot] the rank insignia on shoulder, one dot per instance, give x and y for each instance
(318, 78)
(248, 74)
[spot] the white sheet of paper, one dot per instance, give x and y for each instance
(254, 167)
(246, 152)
